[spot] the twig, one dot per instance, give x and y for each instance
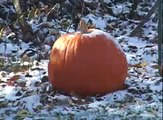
(146, 18)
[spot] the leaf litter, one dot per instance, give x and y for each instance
(25, 92)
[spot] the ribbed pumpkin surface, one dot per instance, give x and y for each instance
(87, 64)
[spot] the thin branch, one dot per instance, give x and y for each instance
(146, 18)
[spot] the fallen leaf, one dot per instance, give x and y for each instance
(139, 65)
(22, 114)
(13, 79)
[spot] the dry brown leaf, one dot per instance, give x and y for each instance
(139, 65)
(12, 80)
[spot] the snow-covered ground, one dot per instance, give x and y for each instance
(25, 92)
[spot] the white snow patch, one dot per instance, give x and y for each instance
(24, 45)
(98, 21)
(60, 97)
(7, 48)
(70, 30)
(107, 1)
(156, 87)
(8, 89)
(71, 36)
(88, 1)
(121, 8)
(96, 104)
(9, 92)
(31, 102)
(31, 81)
(47, 48)
(97, 32)
(115, 96)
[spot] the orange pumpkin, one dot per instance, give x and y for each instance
(87, 63)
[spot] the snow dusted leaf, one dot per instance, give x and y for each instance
(133, 48)
(21, 114)
(155, 66)
(133, 90)
(38, 108)
(3, 104)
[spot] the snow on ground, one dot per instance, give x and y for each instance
(25, 92)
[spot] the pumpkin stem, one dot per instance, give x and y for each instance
(83, 26)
